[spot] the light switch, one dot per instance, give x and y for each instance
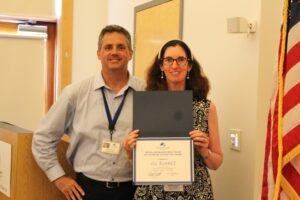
(235, 139)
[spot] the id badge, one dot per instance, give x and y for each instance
(110, 147)
(173, 188)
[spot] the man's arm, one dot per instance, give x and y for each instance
(48, 135)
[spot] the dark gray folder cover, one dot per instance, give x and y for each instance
(163, 113)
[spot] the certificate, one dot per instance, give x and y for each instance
(159, 161)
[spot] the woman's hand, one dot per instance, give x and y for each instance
(129, 143)
(201, 142)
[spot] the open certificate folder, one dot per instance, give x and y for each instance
(163, 161)
(163, 113)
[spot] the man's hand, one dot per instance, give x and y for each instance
(69, 187)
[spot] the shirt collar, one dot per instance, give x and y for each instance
(99, 82)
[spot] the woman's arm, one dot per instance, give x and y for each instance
(215, 159)
(209, 147)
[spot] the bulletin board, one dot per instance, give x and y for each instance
(155, 23)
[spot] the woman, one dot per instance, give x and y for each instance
(174, 68)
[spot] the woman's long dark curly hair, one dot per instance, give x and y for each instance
(197, 82)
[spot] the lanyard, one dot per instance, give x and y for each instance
(112, 122)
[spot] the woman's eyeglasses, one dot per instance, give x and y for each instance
(181, 61)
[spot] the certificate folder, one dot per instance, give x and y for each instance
(163, 113)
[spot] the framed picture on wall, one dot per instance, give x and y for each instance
(155, 23)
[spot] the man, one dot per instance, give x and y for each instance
(97, 114)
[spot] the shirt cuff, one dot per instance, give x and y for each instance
(55, 172)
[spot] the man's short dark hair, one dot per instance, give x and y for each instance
(111, 29)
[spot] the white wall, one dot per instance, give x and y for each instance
(240, 71)
(28, 8)
(231, 63)
(89, 19)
